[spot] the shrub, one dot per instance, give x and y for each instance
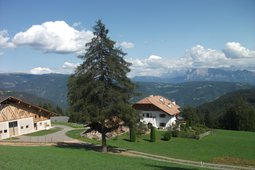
(153, 134)
(132, 133)
(167, 136)
(141, 129)
(175, 133)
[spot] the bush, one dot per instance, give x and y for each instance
(141, 129)
(132, 133)
(153, 134)
(167, 136)
(175, 133)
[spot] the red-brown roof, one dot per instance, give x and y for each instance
(159, 102)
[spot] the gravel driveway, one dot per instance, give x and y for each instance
(59, 136)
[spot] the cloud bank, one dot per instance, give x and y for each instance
(233, 56)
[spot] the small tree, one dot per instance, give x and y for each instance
(132, 133)
(190, 115)
(153, 134)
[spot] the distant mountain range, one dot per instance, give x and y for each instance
(190, 93)
(202, 74)
(53, 87)
(30, 98)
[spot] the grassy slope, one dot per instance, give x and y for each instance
(72, 158)
(221, 143)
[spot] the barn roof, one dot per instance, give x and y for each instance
(159, 102)
(11, 99)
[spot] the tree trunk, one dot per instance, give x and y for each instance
(104, 146)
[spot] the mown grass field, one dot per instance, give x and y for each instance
(72, 125)
(44, 132)
(234, 147)
(57, 158)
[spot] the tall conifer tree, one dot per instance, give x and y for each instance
(99, 91)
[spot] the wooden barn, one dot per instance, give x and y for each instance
(18, 117)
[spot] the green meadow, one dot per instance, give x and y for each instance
(59, 158)
(222, 146)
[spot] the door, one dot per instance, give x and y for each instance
(35, 126)
(13, 128)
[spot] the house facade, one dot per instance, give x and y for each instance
(18, 117)
(158, 111)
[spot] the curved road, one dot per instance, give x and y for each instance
(59, 136)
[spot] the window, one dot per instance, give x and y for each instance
(13, 124)
(1, 131)
(5, 131)
(27, 126)
(35, 116)
(39, 116)
(162, 124)
(162, 115)
(148, 115)
(21, 127)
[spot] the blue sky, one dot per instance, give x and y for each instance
(159, 36)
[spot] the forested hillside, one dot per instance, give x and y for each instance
(53, 87)
(235, 111)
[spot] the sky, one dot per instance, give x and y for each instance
(159, 36)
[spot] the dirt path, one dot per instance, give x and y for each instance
(185, 162)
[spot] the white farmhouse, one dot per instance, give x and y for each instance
(158, 111)
(18, 117)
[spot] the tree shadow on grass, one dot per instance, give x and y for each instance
(128, 140)
(160, 167)
(88, 146)
(147, 140)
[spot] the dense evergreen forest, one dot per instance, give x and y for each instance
(234, 111)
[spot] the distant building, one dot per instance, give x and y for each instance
(158, 111)
(18, 117)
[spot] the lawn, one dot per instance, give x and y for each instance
(213, 148)
(45, 132)
(72, 125)
(58, 158)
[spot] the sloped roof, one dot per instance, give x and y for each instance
(161, 103)
(11, 99)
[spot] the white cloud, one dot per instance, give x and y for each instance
(5, 40)
(195, 57)
(236, 50)
(127, 45)
(154, 57)
(200, 56)
(71, 66)
(54, 37)
(41, 70)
